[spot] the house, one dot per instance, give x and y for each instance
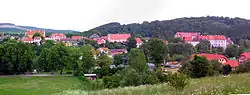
(120, 38)
(28, 40)
(37, 40)
(105, 37)
(94, 36)
(138, 42)
(66, 41)
(57, 36)
(187, 36)
(30, 33)
(244, 57)
(114, 52)
(220, 58)
(103, 50)
(76, 38)
(99, 40)
(215, 40)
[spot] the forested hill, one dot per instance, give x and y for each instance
(235, 28)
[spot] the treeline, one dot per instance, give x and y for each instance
(235, 28)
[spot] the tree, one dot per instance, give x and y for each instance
(37, 35)
(232, 51)
(200, 67)
(180, 49)
(44, 60)
(59, 56)
(178, 81)
(16, 58)
(48, 44)
(204, 46)
(136, 60)
(218, 50)
(131, 43)
(129, 77)
(118, 59)
(87, 59)
(69, 35)
(104, 61)
(156, 50)
(227, 69)
(175, 40)
(216, 66)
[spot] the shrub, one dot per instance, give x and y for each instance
(227, 69)
(93, 85)
(150, 77)
(178, 81)
(111, 81)
(129, 77)
(161, 76)
(243, 68)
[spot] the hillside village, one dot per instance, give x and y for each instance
(38, 37)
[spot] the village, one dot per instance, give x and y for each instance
(38, 37)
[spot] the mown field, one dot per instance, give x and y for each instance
(233, 84)
(37, 85)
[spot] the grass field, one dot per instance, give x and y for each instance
(236, 84)
(59, 85)
(37, 85)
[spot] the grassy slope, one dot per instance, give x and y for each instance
(36, 85)
(205, 86)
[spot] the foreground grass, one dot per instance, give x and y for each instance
(37, 85)
(233, 84)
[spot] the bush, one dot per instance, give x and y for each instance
(150, 78)
(111, 81)
(161, 76)
(178, 81)
(243, 68)
(93, 85)
(130, 77)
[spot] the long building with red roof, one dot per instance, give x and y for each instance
(118, 37)
(30, 33)
(220, 58)
(244, 57)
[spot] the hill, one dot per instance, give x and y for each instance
(217, 85)
(236, 28)
(9, 27)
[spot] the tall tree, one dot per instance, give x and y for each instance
(43, 60)
(131, 43)
(204, 46)
(136, 60)
(156, 51)
(232, 51)
(200, 67)
(87, 58)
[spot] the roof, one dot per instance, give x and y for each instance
(27, 39)
(166, 42)
(188, 34)
(246, 54)
(211, 57)
(105, 37)
(76, 37)
(138, 40)
(65, 39)
(188, 39)
(32, 32)
(38, 38)
(118, 36)
(100, 41)
(58, 34)
(94, 36)
(232, 63)
(212, 37)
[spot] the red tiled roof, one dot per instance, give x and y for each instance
(187, 34)
(27, 39)
(32, 32)
(100, 41)
(246, 54)
(37, 38)
(211, 57)
(76, 37)
(58, 35)
(105, 37)
(232, 63)
(118, 36)
(212, 37)
(188, 39)
(138, 40)
(166, 42)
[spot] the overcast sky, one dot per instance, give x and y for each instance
(86, 14)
